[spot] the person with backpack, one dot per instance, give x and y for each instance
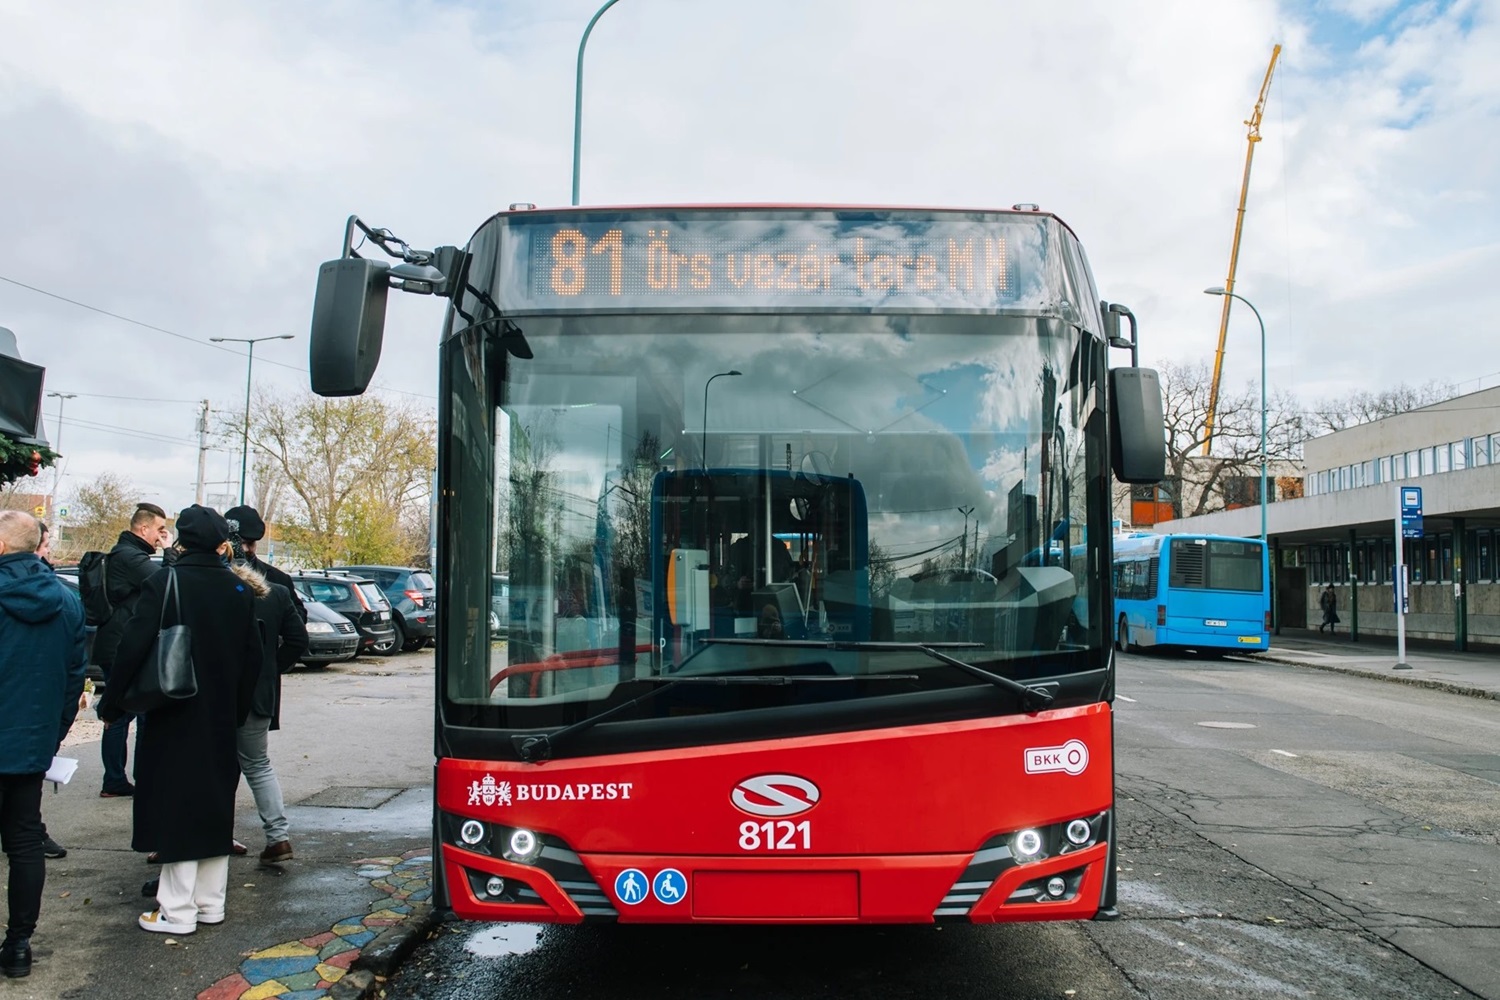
(122, 572)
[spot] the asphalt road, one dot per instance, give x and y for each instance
(1284, 833)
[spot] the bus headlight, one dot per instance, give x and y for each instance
(524, 846)
(1028, 844)
(1079, 832)
(472, 832)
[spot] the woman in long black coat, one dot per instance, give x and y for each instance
(187, 766)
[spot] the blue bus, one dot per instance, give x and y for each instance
(1206, 593)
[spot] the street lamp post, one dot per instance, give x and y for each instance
(1216, 290)
(62, 398)
(705, 412)
(578, 93)
(249, 367)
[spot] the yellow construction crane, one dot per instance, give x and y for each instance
(1234, 251)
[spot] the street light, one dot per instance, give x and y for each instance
(578, 93)
(705, 412)
(1216, 290)
(62, 398)
(250, 364)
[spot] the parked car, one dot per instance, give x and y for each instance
(331, 637)
(413, 598)
(357, 599)
(69, 577)
(500, 604)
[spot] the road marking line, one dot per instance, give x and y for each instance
(1283, 753)
(1123, 698)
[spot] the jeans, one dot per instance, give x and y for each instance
(112, 751)
(250, 740)
(21, 839)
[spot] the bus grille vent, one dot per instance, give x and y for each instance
(1187, 565)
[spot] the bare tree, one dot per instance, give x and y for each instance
(1363, 406)
(351, 467)
(1200, 483)
(100, 510)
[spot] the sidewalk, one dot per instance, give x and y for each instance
(354, 759)
(1432, 665)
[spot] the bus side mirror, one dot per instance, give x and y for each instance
(1137, 437)
(348, 324)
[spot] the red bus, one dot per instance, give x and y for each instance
(771, 488)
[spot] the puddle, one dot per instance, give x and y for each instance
(498, 940)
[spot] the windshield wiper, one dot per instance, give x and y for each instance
(1033, 699)
(538, 747)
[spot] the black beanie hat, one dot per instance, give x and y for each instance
(245, 521)
(201, 529)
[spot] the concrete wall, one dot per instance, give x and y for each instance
(1431, 615)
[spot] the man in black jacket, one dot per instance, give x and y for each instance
(130, 565)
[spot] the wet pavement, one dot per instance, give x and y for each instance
(354, 759)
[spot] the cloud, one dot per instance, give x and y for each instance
(189, 165)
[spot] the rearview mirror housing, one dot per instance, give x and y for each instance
(1137, 435)
(348, 325)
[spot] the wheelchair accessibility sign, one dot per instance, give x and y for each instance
(669, 886)
(630, 886)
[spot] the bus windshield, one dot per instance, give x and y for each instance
(651, 483)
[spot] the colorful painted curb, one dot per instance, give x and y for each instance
(306, 969)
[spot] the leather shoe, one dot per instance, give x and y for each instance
(277, 852)
(124, 792)
(237, 848)
(15, 957)
(53, 849)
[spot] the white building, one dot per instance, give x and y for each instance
(1343, 530)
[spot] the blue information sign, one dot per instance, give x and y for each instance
(1411, 512)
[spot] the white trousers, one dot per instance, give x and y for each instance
(188, 888)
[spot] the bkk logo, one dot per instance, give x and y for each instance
(1072, 757)
(775, 795)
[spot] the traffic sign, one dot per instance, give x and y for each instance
(40, 510)
(62, 511)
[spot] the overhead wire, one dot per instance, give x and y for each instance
(182, 336)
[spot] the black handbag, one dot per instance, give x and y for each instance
(167, 675)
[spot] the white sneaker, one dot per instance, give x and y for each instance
(210, 916)
(158, 924)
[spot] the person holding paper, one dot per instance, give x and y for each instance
(42, 662)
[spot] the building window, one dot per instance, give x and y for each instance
(1428, 461)
(1445, 557)
(1460, 454)
(1483, 557)
(1430, 561)
(1413, 550)
(1481, 451)
(1440, 458)
(1384, 472)
(1413, 466)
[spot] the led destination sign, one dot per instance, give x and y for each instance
(713, 262)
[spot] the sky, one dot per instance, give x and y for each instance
(174, 171)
